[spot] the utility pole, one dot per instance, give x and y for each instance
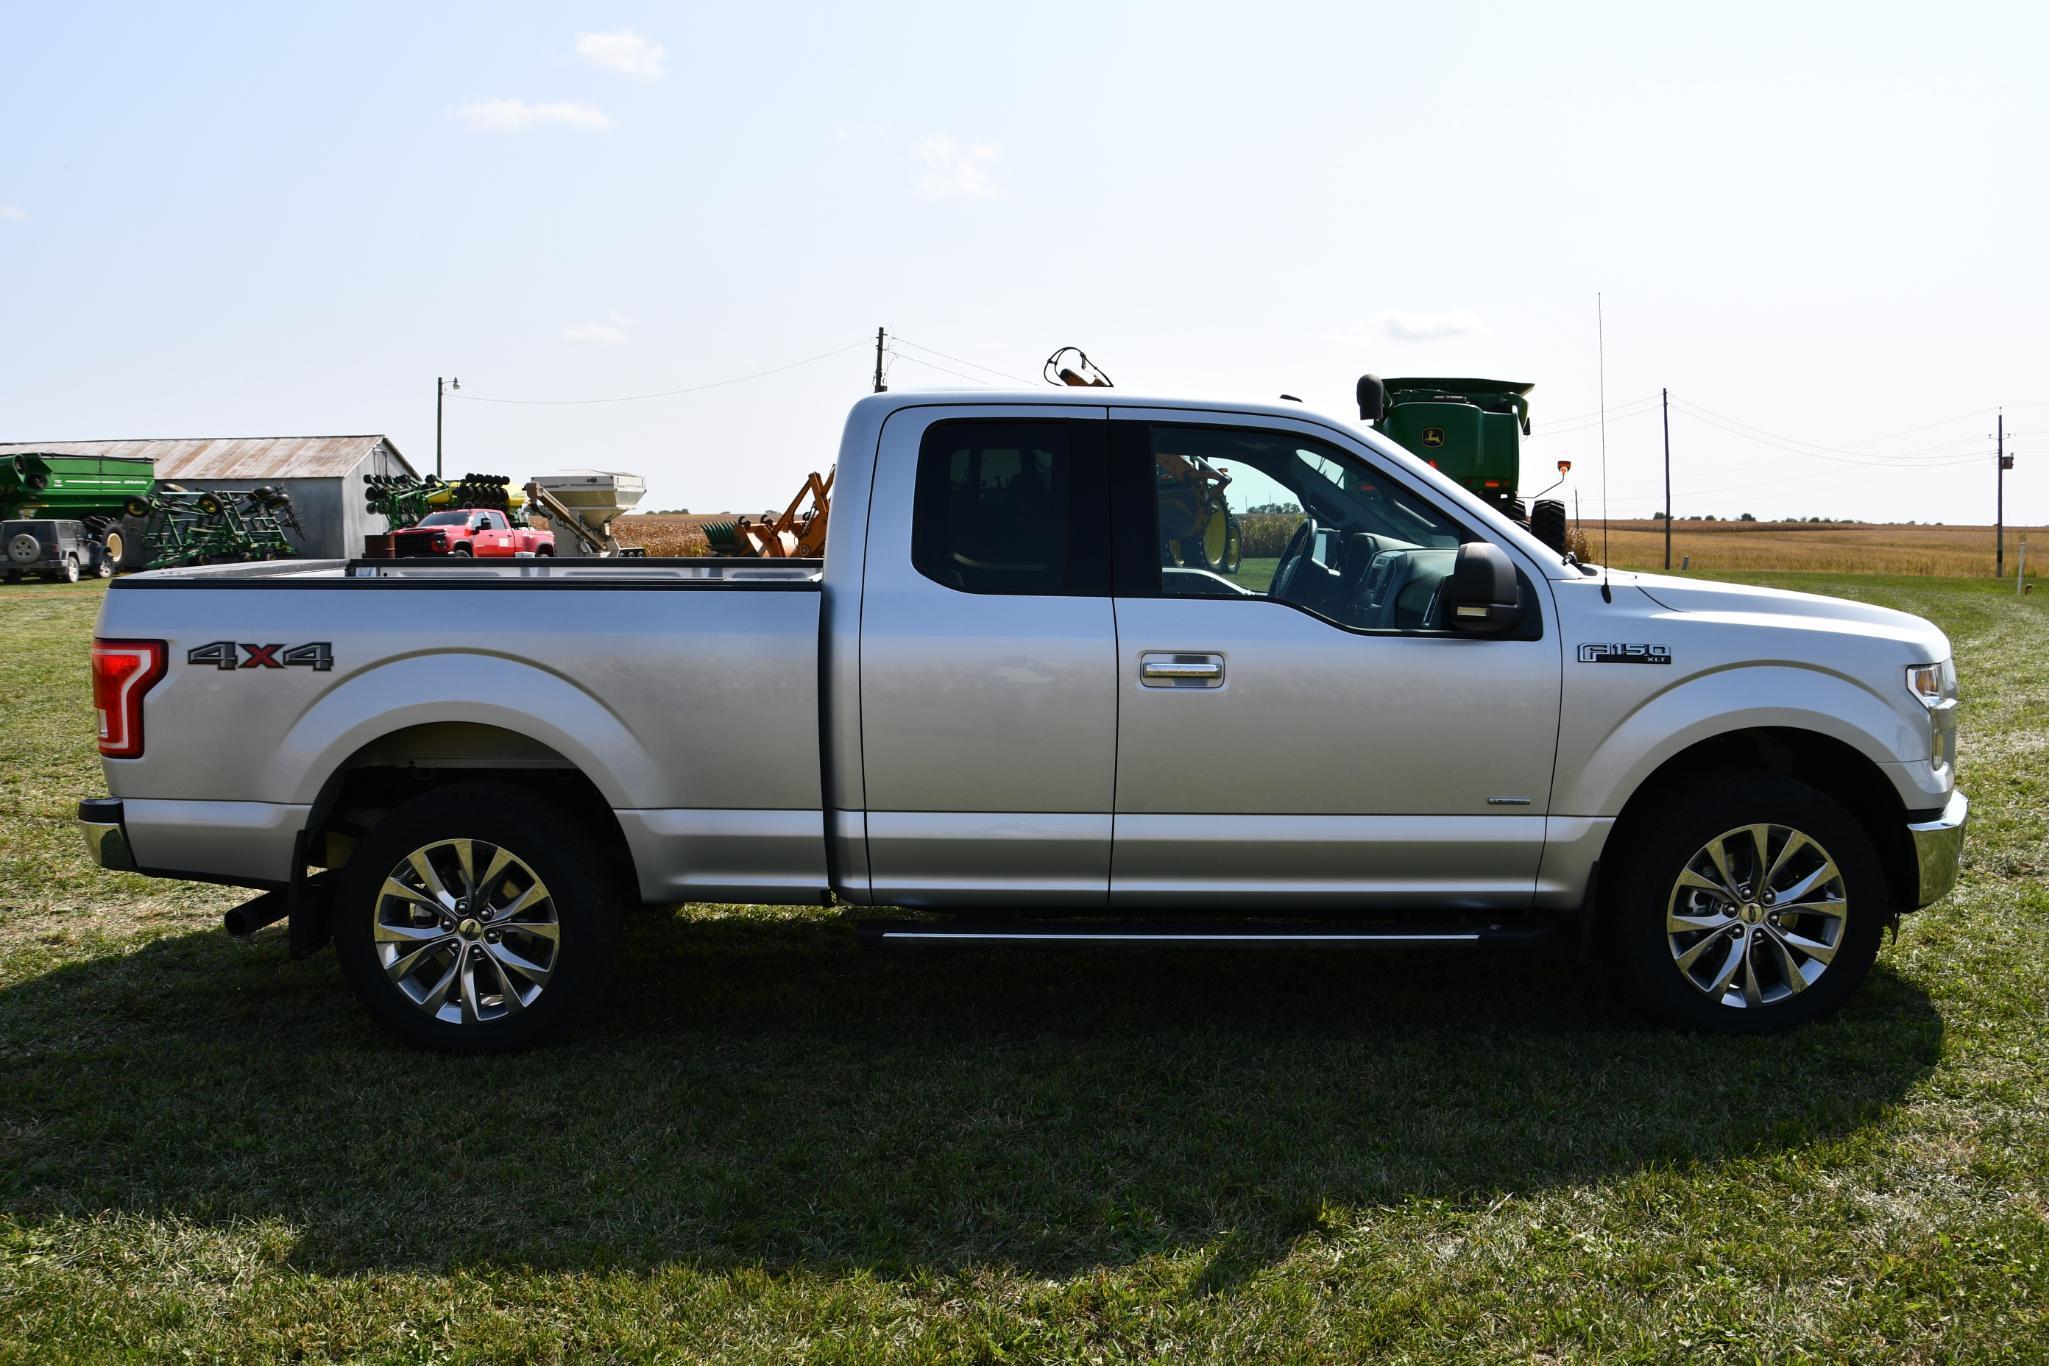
(1665, 407)
(441, 386)
(880, 387)
(2002, 462)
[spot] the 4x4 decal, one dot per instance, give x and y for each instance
(227, 654)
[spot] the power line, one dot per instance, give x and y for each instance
(1837, 455)
(957, 360)
(918, 360)
(668, 393)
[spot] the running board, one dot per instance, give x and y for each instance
(1222, 933)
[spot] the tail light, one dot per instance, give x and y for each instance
(122, 671)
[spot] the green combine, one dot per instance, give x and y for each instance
(1471, 430)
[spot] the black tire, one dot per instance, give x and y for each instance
(137, 508)
(1517, 512)
(1643, 887)
(585, 891)
(69, 572)
(14, 576)
(102, 566)
(462, 550)
(545, 552)
(1547, 523)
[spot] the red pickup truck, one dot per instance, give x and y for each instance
(483, 532)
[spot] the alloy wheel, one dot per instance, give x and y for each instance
(466, 931)
(1756, 915)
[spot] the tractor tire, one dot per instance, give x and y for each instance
(136, 507)
(1518, 511)
(1234, 545)
(1547, 523)
(128, 545)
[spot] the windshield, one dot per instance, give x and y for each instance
(446, 519)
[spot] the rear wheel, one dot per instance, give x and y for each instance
(68, 571)
(1749, 904)
(1547, 522)
(478, 919)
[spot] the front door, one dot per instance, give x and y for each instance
(1296, 726)
(989, 659)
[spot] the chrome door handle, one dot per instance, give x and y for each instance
(1180, 670)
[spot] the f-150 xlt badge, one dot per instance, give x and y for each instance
(226, 654)
(1618, 653)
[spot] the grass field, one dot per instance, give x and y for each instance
(775, 1146)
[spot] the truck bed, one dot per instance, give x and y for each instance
(695, 713)
(700, 571)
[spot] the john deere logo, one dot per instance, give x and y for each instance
(1433, 436)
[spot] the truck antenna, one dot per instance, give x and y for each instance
(1601, 373)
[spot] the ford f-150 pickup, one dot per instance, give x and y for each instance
(1005, 700)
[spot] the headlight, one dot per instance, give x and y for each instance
(1934, 684)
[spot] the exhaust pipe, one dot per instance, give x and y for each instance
(251, 916)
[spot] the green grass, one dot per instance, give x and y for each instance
(773, 1145)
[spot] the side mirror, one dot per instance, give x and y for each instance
(1372, 396)
(1480, 597)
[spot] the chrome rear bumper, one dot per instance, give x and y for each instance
(1939, 849)
(106, 839)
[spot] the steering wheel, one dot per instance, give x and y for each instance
(1298, 549)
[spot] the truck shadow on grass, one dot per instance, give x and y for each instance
(762, 1093)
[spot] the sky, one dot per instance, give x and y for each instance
(1820, 226)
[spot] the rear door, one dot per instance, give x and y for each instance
(989, 659)
(1302, 730)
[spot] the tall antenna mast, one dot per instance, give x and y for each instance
(1601, 372)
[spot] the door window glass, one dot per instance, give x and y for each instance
(1011, 507)
(1246, 513)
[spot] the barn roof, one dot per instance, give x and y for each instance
(231, 457)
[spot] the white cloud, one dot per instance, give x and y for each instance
(952, 171)
(514, 116)
(625, 52)
(593, 334)
(1403, 326)
(9, 211)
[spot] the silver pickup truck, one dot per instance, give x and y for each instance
(1032, 691)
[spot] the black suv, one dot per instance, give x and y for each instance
(58, 550)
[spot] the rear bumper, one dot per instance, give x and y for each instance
(1939, 849)
(106, 839)
(246, 844)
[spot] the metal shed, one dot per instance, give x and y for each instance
(323, 474)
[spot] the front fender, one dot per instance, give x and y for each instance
(475, 687)
(1598, 771)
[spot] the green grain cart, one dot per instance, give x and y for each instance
(99, 491)
(1471, 430)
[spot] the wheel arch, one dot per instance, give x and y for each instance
(1823, 762)
(393, 768)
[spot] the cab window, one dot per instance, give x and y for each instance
(1245, 513)
(1015, 508)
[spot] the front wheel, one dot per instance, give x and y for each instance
(1749, 904)
(478, 918)
(462, 550)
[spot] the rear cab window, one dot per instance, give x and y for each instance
(1013, 507)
